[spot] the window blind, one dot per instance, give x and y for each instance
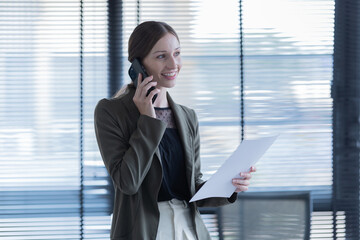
(288, 49)
(287, 72)
(41, 141)
(98, 198)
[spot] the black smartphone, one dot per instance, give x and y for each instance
(134, 70)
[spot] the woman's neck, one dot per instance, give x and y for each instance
(161, 100)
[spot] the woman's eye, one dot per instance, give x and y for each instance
(161, 56)
(177, 53)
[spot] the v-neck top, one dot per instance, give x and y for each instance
(174, 183)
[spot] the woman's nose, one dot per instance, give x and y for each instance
(172, 63)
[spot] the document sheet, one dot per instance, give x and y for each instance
(245, 156)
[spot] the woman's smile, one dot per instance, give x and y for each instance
(170, 75)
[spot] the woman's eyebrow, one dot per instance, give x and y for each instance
(164, 51)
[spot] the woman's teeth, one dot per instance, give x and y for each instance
(169, 74)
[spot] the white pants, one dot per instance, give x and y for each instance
(175, 221)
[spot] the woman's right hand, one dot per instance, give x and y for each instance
(143, 102)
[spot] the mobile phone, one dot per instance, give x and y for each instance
(134, 70)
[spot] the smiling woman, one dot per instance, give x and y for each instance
(164, 63)
(152, 149)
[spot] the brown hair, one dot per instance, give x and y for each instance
(145, 36)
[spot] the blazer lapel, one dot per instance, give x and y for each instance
(186, 140)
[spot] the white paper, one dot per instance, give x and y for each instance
(245, 156)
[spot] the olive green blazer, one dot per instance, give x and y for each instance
(128, 143)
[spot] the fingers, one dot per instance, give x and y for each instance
(142, 99)
(148, 87)
(152, 93)
(245, 175)
(241, 189)
(145, 81)
(243, 182)
(144, 86)
(139, 79)
(240, 184)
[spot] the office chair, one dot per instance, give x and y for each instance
(267, 216)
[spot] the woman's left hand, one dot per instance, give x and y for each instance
(242, 183)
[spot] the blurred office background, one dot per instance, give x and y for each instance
(251, 68)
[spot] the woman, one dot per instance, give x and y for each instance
(152, 149)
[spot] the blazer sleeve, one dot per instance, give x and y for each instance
(207, 202)
(127, 160)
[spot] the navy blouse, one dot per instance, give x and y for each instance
(174, 183)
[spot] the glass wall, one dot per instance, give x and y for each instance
(53, 70)
(50, 81)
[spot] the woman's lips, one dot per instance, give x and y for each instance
(169, 75)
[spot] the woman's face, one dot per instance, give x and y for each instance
(164, 61)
